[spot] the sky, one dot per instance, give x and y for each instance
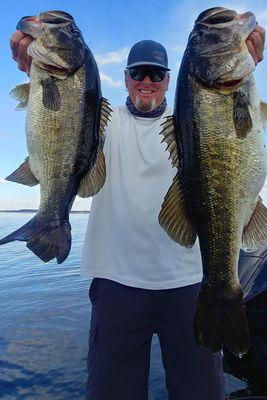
(109, 28)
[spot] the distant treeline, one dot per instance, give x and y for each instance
(34, 211)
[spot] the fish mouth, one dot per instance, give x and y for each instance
(221, 17)
(215, 16)
(247, 21)
(55, 17)
(228, 84)
(30, 25)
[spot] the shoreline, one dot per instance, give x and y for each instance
(35, 211)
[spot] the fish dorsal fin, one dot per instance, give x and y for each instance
(105, 112)
(21, 94)
(95, 178)
(169, 138)
(255, 231)
(23, 174)
(264, 113)
(173, 217)
(241, 114)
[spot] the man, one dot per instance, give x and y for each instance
(143, 282)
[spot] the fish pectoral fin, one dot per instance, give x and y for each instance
(168, 130)
(21, 94)
(95, 178)
(173, 217)
(255, 231)
(241, 115)
(23, 174)
(51, 95)
(263, 107)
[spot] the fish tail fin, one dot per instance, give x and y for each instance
(222, 321)
(46, 238)
(207, 330)
(234, 324)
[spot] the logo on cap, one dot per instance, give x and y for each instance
(158, 55)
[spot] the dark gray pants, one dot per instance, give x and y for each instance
(122, 324)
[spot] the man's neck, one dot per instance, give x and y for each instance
(157, 112)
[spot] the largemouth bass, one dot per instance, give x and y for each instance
(216, 141)
(65, 121)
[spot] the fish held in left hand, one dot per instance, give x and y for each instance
(216, 141)
(65, 122)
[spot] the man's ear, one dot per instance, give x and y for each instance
(126, 75)
(168, 81)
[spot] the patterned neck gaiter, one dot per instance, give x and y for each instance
(152, 114)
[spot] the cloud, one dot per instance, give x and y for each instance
(3, 181)
(110, 81)
(113, 57)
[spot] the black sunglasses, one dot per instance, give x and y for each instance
(155, 75)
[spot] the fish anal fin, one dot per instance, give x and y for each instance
(263, 107)
(241, 114)
(23, 174)
(173, 217)
(255, 231)
(168, 130)
(95, 178)
(21, 94)
(51, 95)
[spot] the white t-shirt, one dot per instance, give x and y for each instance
(124, 241)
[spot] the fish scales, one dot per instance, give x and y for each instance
(54, 144)
(218, 176)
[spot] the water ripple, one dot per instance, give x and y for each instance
(45, 317)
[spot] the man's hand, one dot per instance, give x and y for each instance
(255, 43)
(19, 43)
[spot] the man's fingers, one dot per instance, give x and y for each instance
(23, 60)
(19, 43)
(14, 43)
(251, 49)
(261, 32)
(255, 43)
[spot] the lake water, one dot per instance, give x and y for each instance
(45, 316)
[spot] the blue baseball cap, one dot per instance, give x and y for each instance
(148, 53)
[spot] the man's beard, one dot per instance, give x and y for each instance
(144, 106)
